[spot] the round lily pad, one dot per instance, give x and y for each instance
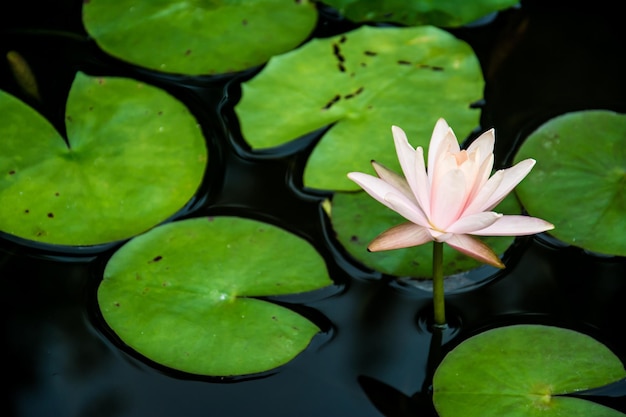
(198, 37)
(183, 295)
(361, 83)
(134, 156)
(521, 371)
(579, 182)
(357, 219)
(450, 13)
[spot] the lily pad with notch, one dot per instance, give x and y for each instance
(186, 295)
(360, 83)
(134, 156)
(525, 371)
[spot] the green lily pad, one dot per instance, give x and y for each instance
(357, 219)
(520, 371)
(579, 182)
(183, 295)
(136, 156)
(450, 13)
(361, 83)
(198, 37)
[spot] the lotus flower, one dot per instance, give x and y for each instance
(452, 200)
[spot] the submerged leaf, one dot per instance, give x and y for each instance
(183, 295)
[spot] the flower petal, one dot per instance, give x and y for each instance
(402, 236)
(515, 226)
(440, 132)
(481, 178)
(447, 199)
(478, 221)
(475, 248)
(511, 177)
(405, 152)
(485, 143)
(421, 185)
(478, 203)
(374, 186)
(406, 208)
(392, 178)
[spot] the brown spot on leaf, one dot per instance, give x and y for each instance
(403, 62)
(331, 102)
(370, 53)
(12, 172)
(356, 93)
(187, 52)
(50, 215)
(156, 259)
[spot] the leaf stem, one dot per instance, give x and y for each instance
(438, 291)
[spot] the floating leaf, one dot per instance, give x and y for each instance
(520, 371)
(357, 219)
(135, 157)
(361, 82)
(579, 182)
(183, 295)
(191, 37)
(448, 13)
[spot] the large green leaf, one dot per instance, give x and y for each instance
(136, 155)
(198, 37)
(449, 13)
(183, 295)
(357, 219)
(520, 371)
(363, 82)
(579, 182)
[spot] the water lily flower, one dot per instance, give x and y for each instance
(452, 200)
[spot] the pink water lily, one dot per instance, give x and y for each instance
(452, 200)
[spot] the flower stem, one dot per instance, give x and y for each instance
(438, 292)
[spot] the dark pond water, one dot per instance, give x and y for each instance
(373, 358)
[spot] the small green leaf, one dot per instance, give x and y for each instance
(450, 13)
(579, 181)
(520, 371)
(198, 37)
(183, 295)
(136, 155)
(362, 83)
(357, 219)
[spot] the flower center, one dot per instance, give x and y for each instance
(461, 157)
